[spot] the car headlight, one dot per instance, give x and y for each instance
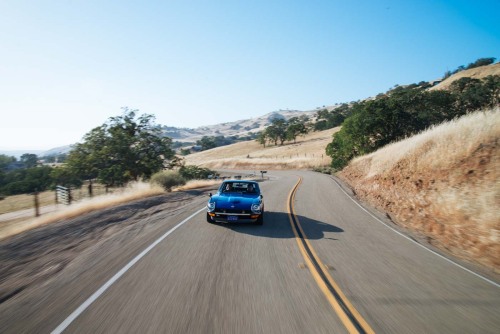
(256, 208)
(211, 206)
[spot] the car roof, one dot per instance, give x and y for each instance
(239, 181)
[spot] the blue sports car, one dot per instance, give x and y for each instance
(236, 201)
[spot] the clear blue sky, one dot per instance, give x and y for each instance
(67, 66)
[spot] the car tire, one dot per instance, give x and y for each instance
(209, 219)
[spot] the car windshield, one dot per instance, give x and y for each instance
(241, 187)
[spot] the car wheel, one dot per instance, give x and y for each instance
(209, 219)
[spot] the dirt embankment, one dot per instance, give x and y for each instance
(444, 185)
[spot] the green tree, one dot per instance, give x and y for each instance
(329, 119)
(29, 160)
(262, 138)
(22, 181)
(295, 127)
(185, 151)
(64, 176)
(206, 143)
(277, 131)
(192, 172)
(481, 62)
(209, 142)
(5, 161)
(271, 133)
(474, 94)
(125, 148)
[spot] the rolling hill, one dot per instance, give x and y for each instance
(475, 73)
(239, 128)
(308, 152)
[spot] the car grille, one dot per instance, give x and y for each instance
(231, 211)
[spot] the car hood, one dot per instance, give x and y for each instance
(235, 201)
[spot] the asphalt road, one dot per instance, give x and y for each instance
(212, 278)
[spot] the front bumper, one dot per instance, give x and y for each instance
(222, 217)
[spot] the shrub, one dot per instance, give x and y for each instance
(324, 170)
(168, 179)
(194, 172)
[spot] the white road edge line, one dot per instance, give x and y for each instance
(113, 279)
(404, 236)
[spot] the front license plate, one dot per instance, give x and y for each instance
(232, 218)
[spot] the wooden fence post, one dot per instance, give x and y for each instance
(37, 204)
(90, 188)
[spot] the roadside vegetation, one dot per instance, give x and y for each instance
(48, 197)
(168, 179)
(478, 63)
(442, 183)
(124, 149)
(127, 148)
(405, 111)
(134, 191)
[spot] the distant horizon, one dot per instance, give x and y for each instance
(18, 152)
(44, 149)
(22, 150)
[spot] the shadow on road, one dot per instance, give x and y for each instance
(277, 225)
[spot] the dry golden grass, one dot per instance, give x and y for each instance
(134, 191)
(308, 152)
(437, 148)
(196, 184)
(23, 202)
(443, 182)
(475, 73)
(26, 201)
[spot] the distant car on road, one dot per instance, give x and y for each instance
(236, 201)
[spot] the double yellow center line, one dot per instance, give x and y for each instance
(350, 317)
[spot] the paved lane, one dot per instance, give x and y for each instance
(206, 278)
(218, 278)
(397, 286)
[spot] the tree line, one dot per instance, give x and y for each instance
(26, 175)
(125, 148)
(477, 63)
(210, 142)
(405, 111)
(281, 130)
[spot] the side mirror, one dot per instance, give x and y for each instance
(210, 194)
(261, 197)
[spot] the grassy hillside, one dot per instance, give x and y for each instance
(443, 183)
(474, 73)
(307, 152)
